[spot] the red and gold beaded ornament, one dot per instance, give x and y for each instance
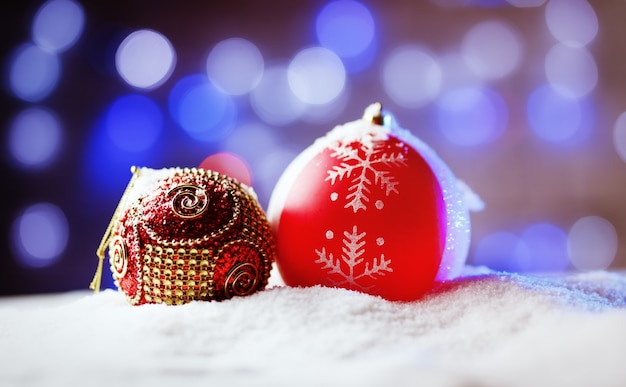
(369, 207)
(180, 235)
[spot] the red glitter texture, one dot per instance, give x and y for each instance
(199, 235)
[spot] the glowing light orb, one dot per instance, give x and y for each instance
(201, 110)
(619, 136)
(492, 49)
(40, 235)
(592, 243)
(471, 116)
(502, 250)
(411, 76)
(571, 22)
(571, 71)
(33, 73)
(556, 118)
(145, 59)
(134, 122)
(273, 99)
(229, 164)
(35, 137)
(235, 66)
(547, 244)
(316, 76)
(58, 24)
(346, 27)
(526, 3)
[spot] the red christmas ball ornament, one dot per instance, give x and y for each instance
(369, 207)
(180, 235)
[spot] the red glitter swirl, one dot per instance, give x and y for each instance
(119, 257)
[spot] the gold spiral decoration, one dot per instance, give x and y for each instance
(189, 200)
(242, 280)
(118, 257)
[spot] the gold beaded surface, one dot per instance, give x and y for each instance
(176, 276)
(232, 257)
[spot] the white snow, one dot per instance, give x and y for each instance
(483, 329)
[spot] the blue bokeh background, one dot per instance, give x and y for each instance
(522, 98)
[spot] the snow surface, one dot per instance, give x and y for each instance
(483, 329)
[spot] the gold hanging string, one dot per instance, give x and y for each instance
(97, 278)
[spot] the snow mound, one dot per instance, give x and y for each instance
(483, 329)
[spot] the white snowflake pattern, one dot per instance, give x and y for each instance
(363, 167)
(347, 266)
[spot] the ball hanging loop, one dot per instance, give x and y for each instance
(374, 113)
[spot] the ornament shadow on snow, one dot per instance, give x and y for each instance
(180, 235)
(402, 216)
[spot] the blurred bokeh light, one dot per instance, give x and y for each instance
(58, 24)
(39, 235)
(34, 138)
(411, 76)
(145, 59)
(524, 99)
(235, 66)
(34, 72)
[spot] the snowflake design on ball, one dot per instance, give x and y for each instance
(364, 162)
(349, 267)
